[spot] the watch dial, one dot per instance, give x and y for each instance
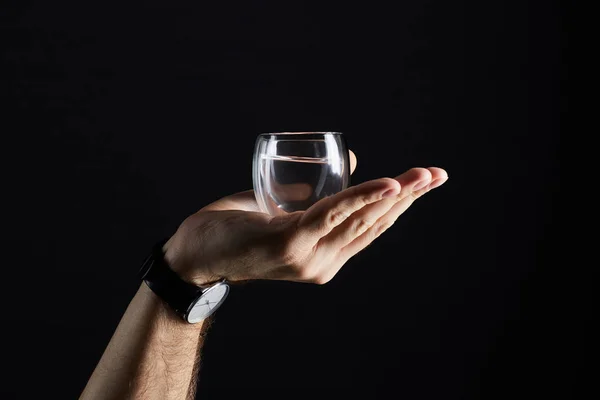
(208, 302)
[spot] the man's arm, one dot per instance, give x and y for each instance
(153, 354)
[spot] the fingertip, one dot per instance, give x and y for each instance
(413, 177)
(438, 173)
(421, 174)
(437, 183)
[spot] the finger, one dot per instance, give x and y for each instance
(331, 211)
(356, 225)
(353, 161)
(366, 217)
(413, 180)
(438, 178)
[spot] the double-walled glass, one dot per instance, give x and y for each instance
(293, 170)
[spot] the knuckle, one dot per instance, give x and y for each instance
(336, 216)
(363, 200)
(362, 225)
(414, 195)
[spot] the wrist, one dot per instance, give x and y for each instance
(186, 264)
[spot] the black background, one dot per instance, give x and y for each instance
(123, 118)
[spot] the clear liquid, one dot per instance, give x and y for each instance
(287, 183)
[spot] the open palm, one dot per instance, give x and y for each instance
(232, 239)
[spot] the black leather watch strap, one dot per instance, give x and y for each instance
(163, 281)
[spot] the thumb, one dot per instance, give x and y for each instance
(353, 161)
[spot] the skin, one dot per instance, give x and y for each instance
(154, 354)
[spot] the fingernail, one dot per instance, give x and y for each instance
(420, 185)
(437, 183)
(389, 193)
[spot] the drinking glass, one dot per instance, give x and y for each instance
(293, 170)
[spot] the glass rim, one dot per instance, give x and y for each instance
(299, 133)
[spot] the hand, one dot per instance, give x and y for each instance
(232, 239)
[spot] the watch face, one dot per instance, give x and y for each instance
(206, 304)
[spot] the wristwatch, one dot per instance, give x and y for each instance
(192, 303)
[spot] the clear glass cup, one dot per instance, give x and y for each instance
(293, 170)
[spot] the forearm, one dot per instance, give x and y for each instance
(153, 354)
